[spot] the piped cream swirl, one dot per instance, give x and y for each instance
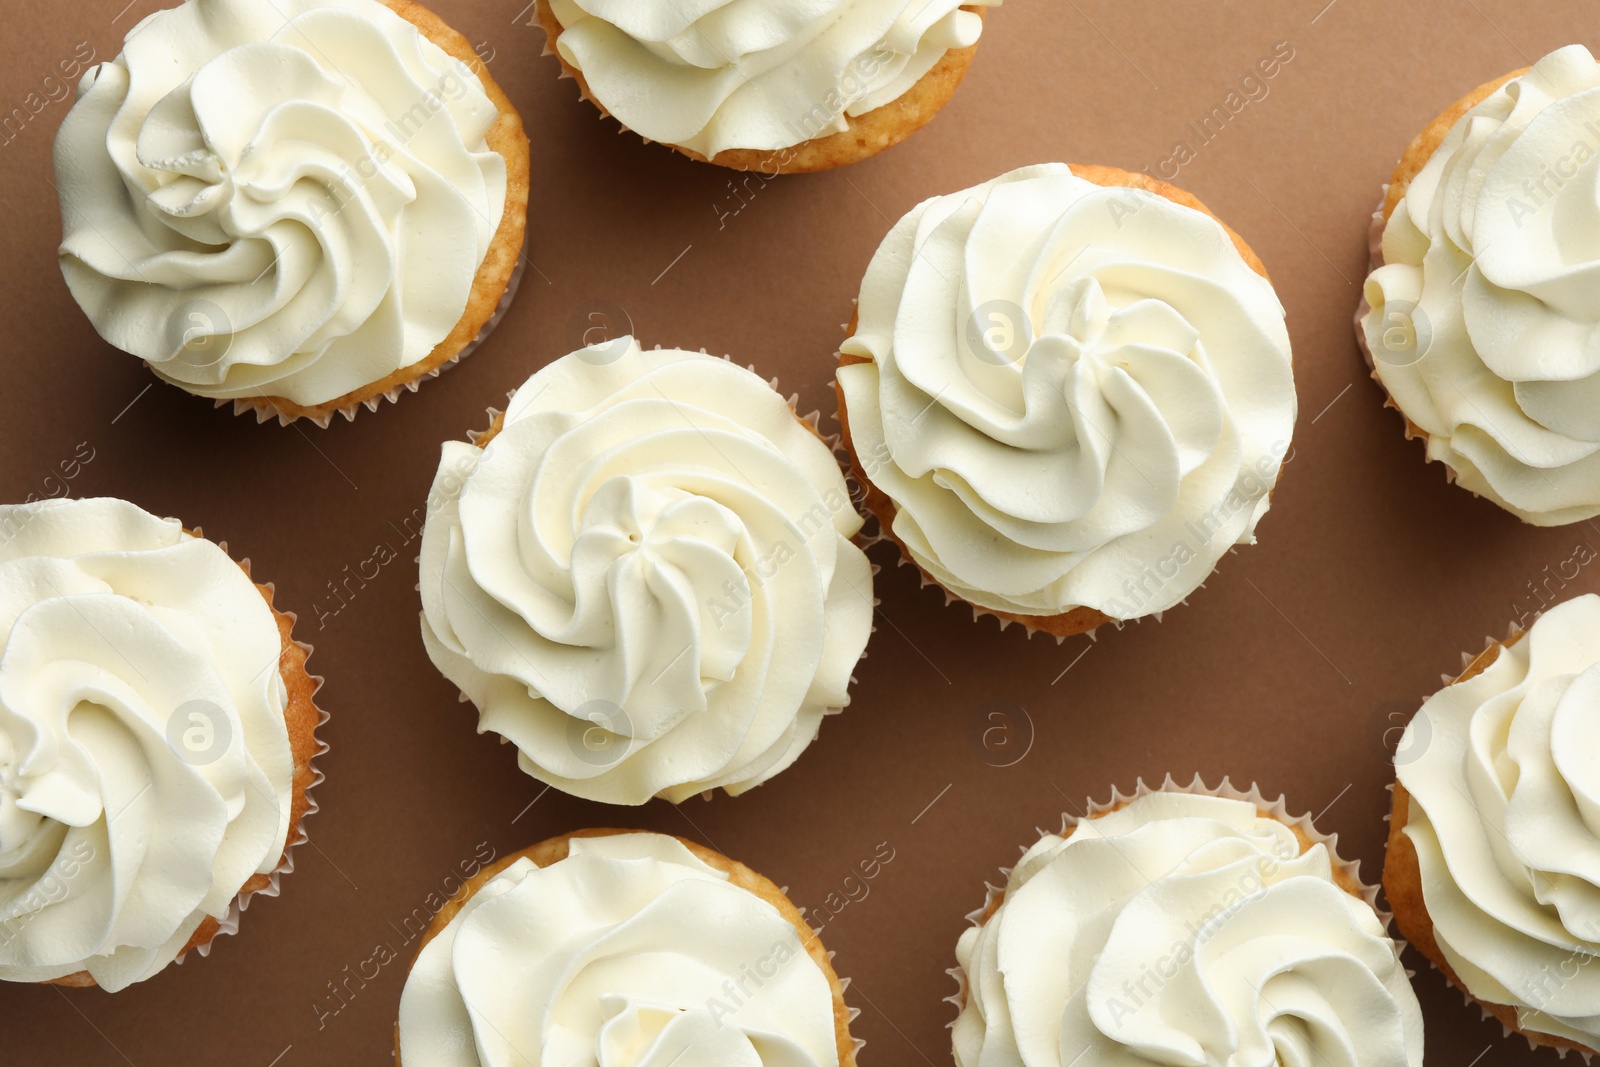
(712, 75)
(1074, 395)
(1503, 772)
(1182, 929)
(145, 767)
(1484, 318)
(646, 581)
(630, 952)
(288, 198)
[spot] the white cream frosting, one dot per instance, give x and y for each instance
(628, 953)
(1182, 929)
(646, 580)
(145, 768)
(1505, 816)
(1074, 395)
(282, 198)
(710, 75)
(1484, 319)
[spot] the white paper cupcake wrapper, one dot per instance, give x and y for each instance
(1490, 1017)
(1467, 658)
(978, 613)
(229, 924)
(835, 445)
(852, 1013)
(1472, 1002)
(242, 405)
(1276, 808)
(1375, 260)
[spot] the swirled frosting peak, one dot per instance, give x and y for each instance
(1074, 395)
(1484, 320)
(283, 198)
(645, 581)
(145, 767)
(1504, 815)
(630, 952)
(711, 75)
(1182, 929)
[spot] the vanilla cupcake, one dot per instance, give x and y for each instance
(1479, 315)
(761, 85)
(1068, 393)
(299, 206)
(1183, 926)
(643, 577)
(623, 948)
(1493, 865)
(156, 737)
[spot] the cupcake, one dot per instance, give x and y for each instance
(1067, 394)
(643, 577)
(1479, 316)
(1493, 866)
(1183, 926)
(299, 206)
(760, 85)
(623, 948)
(156, 737)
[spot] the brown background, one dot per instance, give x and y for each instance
(1371, 577)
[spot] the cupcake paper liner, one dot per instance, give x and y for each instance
(1490, 1017)
(1277, 808)
(1413, 432)
(852, 1013)
(1374, 260)
(878, 536)
(229, 924)
(243, 405)
(834, 444)
(1473, 1002)
(1513, 631)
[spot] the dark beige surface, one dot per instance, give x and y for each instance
(1371, 577)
